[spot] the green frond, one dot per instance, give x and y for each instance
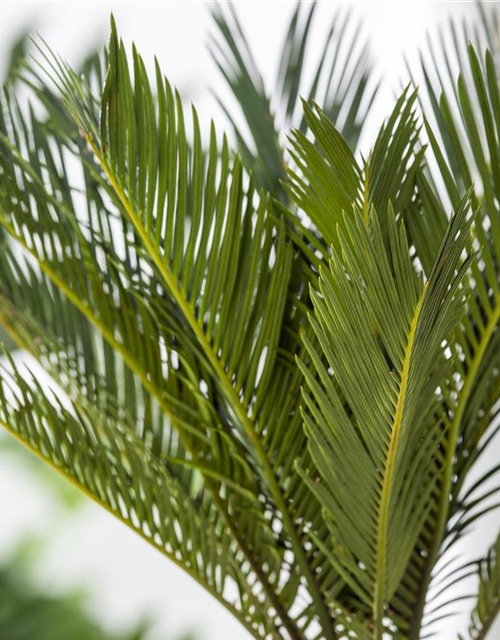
(374, 396)
(113, 467)
(240, 269)
(342, 84)
(51, 329)
(106, 296)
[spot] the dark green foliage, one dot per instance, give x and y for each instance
(282, 376)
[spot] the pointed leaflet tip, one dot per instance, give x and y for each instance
(308, 110)
(113, 36)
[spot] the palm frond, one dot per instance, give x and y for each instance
(75, 440)
(374, 388)
(101, 291)
(342, 84)
(328, 179)
(463, 136)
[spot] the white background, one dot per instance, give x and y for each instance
(126, 578)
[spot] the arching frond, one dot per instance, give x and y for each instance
(64, 327)
(105, 459)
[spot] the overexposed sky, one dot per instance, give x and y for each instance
(126, 577)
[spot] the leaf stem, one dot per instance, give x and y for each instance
(383, 518)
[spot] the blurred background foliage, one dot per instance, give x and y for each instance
(28, 613)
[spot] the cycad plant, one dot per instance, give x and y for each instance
(278, 366)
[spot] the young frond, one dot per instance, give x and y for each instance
(463, 131)
(329, 179)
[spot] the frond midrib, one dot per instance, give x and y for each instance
(383, 517)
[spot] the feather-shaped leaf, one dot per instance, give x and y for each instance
(374, 387)
(329, 180)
